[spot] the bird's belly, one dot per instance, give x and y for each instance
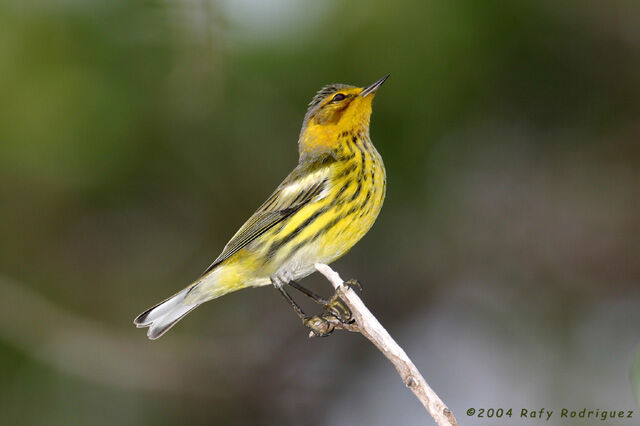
(327, 248)
(323, 231)
(342, 237)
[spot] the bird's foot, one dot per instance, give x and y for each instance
(336, 306)
(320, 325)
(338, 309)
(353, 283)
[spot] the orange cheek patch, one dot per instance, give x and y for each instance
(323, 130)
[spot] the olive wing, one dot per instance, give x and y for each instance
(300, 188)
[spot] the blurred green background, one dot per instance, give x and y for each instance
(135, 137)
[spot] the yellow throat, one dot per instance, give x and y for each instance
(328, 117)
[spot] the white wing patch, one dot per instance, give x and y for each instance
(307, 181)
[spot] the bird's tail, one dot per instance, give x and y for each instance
(164, 315)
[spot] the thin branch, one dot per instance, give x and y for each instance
(367, 325)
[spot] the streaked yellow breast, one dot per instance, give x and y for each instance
(325, 230)
(322, 230)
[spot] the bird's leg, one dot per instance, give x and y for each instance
(292, 303)
(334, 306)
(310, 293)
(318, 324)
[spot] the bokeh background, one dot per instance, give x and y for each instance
(135, 137)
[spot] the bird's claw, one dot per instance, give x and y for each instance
(353, 283)
(339, 310)
(320, 326)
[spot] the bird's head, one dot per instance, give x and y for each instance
(334, 110)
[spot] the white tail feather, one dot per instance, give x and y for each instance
(164, 315)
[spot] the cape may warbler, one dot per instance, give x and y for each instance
(325, 205)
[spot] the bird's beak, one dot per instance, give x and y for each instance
(372, 88)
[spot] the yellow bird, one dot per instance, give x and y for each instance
(317, 214)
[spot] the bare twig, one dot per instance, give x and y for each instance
(367, 325)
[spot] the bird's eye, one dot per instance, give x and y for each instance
(338, 97)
